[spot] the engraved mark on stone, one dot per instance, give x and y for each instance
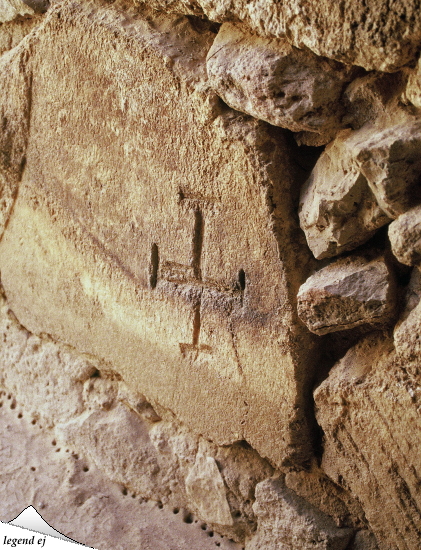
(191, 275)
(154, 266)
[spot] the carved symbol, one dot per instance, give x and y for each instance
(191, 275)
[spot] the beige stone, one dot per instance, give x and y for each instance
(369, 410)
(405, 237)
(273, 81)
(391, 162)
(15, 111)
(152, 228)
(408, 329)
(206, 489)
(13, 32)
(288, 522)
(77, 499)
(338, 210)
(348, 293)
(13, 9)
(369, 35)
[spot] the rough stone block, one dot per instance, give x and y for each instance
(273, 81)
(288, 522)
(54, 375)
(13, 9)
(365, 34)
(152, 226)
(338, 210)
(346, 294)
(369, 410)
(391, 162)
(405, 237)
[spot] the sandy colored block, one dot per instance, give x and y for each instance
(373, 35)
(14, 9)
(390, 160)
(288, 522)
(346, 294)
(338, 210)
(369, 410)
(152, 228)
(271, 80)
(405, 237)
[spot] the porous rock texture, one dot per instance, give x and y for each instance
(200, 293)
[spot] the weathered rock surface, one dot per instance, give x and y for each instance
(208, 312)
(405, 237)
(77, 499)
(13, 9)
(369, 35)
(361, 181)
(13, 32)
(407, 333)
(273, 81)
(338, 210)
(346, 294)
(288, 522)
(364, 540)
(391, 162)
(413, 89)
(369, 410)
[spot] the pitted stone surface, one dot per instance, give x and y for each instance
(346, 294)
(360, 33)
(407, 333)
(176, 276)
(271, 80)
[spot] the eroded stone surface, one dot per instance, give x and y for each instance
(288, 522)
(407, 333)
(365, 34)
(77, 499)
(178, 277)
(13, 9)
(273, 81)
(391, 162)
(338, 210)
(413, 88)
(346, 294)
(369, 409)
(405, 237)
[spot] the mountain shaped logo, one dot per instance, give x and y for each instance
(30, 529)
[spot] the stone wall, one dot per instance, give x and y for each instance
(210, 255)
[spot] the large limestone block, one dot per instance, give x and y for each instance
(346, 294)
(338, 210)
(374, 35)
(288, 522)
(368, 409)
(273, 81)
(405, 237)
(152, 227)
